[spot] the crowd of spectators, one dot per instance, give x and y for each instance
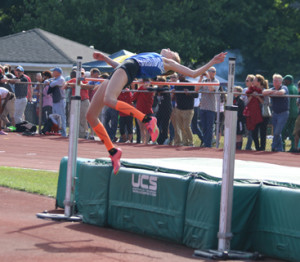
(183, 112)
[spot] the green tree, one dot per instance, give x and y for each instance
(265, 32)
(10, 11)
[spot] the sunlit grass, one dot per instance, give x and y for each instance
(33, 181)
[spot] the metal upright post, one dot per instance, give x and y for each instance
(69, 201)
(73, 141)
(224, 234)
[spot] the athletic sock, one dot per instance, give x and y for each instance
(146, 119)
(102, 134)
(112, 151)
(129, 110)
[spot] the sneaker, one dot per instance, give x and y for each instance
(12, 128)
(2, 133)
(166, 142)
(115, 159)
(28, 133)
(152, 128)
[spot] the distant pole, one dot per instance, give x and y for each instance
(40, 87)
(230, 85)
(69, 201)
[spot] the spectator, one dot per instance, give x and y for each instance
(164, 111)
(222, 98)
(2, 76)
(56, 84)
(134, 86)
(94, 73)
(296, 131)
(252, 111)
(29, 88)
(3, 80)
(84, 104)
(7, 107)
(21, 90)
(208, 106)
(144, 102)
(260, 128)
(111, 122)
(240, 128)
(126, 121)
(288, 129)
(195, 121)
(37, 90)
(9, 75)
(280, 110)
(184, 113)
(47, 101)
(7, 71)
(68, 94)
(174, 79)
(249, 82)
(37, 87)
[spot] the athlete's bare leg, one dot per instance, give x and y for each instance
(96, 105)
(115, 85)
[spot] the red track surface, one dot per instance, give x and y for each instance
(45, 152)
(23, 237)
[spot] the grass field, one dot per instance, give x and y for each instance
(33, 181)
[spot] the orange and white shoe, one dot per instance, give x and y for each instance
(115, 160)
(152, 128)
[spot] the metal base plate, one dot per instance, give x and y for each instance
(58, 217)
(226, 255)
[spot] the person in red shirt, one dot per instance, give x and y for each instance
(144, 102)
(252, 111)
(85, 102)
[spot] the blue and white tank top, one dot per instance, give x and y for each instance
(151, 65)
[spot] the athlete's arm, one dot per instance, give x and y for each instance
(102, 57)
(170, 64)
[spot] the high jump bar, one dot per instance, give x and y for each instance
(158, 83)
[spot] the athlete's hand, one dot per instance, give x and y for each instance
(99, 56)
(219, 58)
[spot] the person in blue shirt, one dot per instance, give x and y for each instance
(280, 110)
(144, 65)
(56, 84)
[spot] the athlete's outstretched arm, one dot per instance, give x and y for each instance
(172, 65)
(102, 57)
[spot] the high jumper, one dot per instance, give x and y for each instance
(144, 65)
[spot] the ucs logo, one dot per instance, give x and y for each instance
(144, 184)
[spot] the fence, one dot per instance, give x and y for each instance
(181, 117)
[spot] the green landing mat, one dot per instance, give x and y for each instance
(211, 169)
(186, 203)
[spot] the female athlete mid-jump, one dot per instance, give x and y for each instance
(144, 65)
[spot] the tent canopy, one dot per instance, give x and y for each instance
(119, 56)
